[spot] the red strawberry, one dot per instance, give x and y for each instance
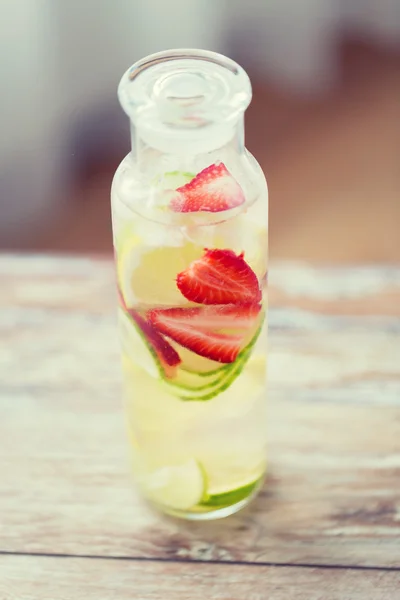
(212, 190)
(167, 355)
(194, 328)
(121, 299)
(219, 277)
(241, 317)
(165, 352)
(216, 346)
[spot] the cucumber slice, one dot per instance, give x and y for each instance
(134, 343)
(193, 382)
(208, 391)
(194, 363)
(225, 377)
(221, 386)
(187, 386)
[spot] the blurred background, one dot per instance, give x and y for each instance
(324, 122)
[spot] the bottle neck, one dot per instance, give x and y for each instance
(187, 143)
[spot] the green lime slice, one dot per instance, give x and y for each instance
(173, 179)
(232, 496)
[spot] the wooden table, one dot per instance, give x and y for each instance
(327, 524)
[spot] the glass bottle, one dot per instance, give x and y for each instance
(190, 223)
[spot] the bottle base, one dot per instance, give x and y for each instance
(209, 513)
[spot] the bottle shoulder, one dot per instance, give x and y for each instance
(242, 166)
(155, 188)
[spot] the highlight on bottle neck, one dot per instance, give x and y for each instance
(183, 101)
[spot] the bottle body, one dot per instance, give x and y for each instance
(190, 233)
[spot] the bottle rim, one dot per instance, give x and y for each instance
(185, 95)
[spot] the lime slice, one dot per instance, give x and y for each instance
(233, 477)
(173, 179)
(179, 487)
(163, 188)
(134, 344)
(232, 496)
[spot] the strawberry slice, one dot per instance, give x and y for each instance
(219, 277)
(241, 317)
(167, 355)
(176, 324)
(212, 190)
(121, 299)
(165, 352)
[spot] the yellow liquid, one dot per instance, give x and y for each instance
(198, 436)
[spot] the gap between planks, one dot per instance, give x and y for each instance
(243, 563)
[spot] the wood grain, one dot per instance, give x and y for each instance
(33, 578)
(333, 493)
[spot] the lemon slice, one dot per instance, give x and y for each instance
(179, 487)
(227, 486)
(147, 275)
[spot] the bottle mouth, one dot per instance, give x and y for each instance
(185, 95)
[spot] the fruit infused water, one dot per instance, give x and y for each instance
(190, 220)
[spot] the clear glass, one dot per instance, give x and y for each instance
(190, 229)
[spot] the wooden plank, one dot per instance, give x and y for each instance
(333, 493)
(33, 578)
